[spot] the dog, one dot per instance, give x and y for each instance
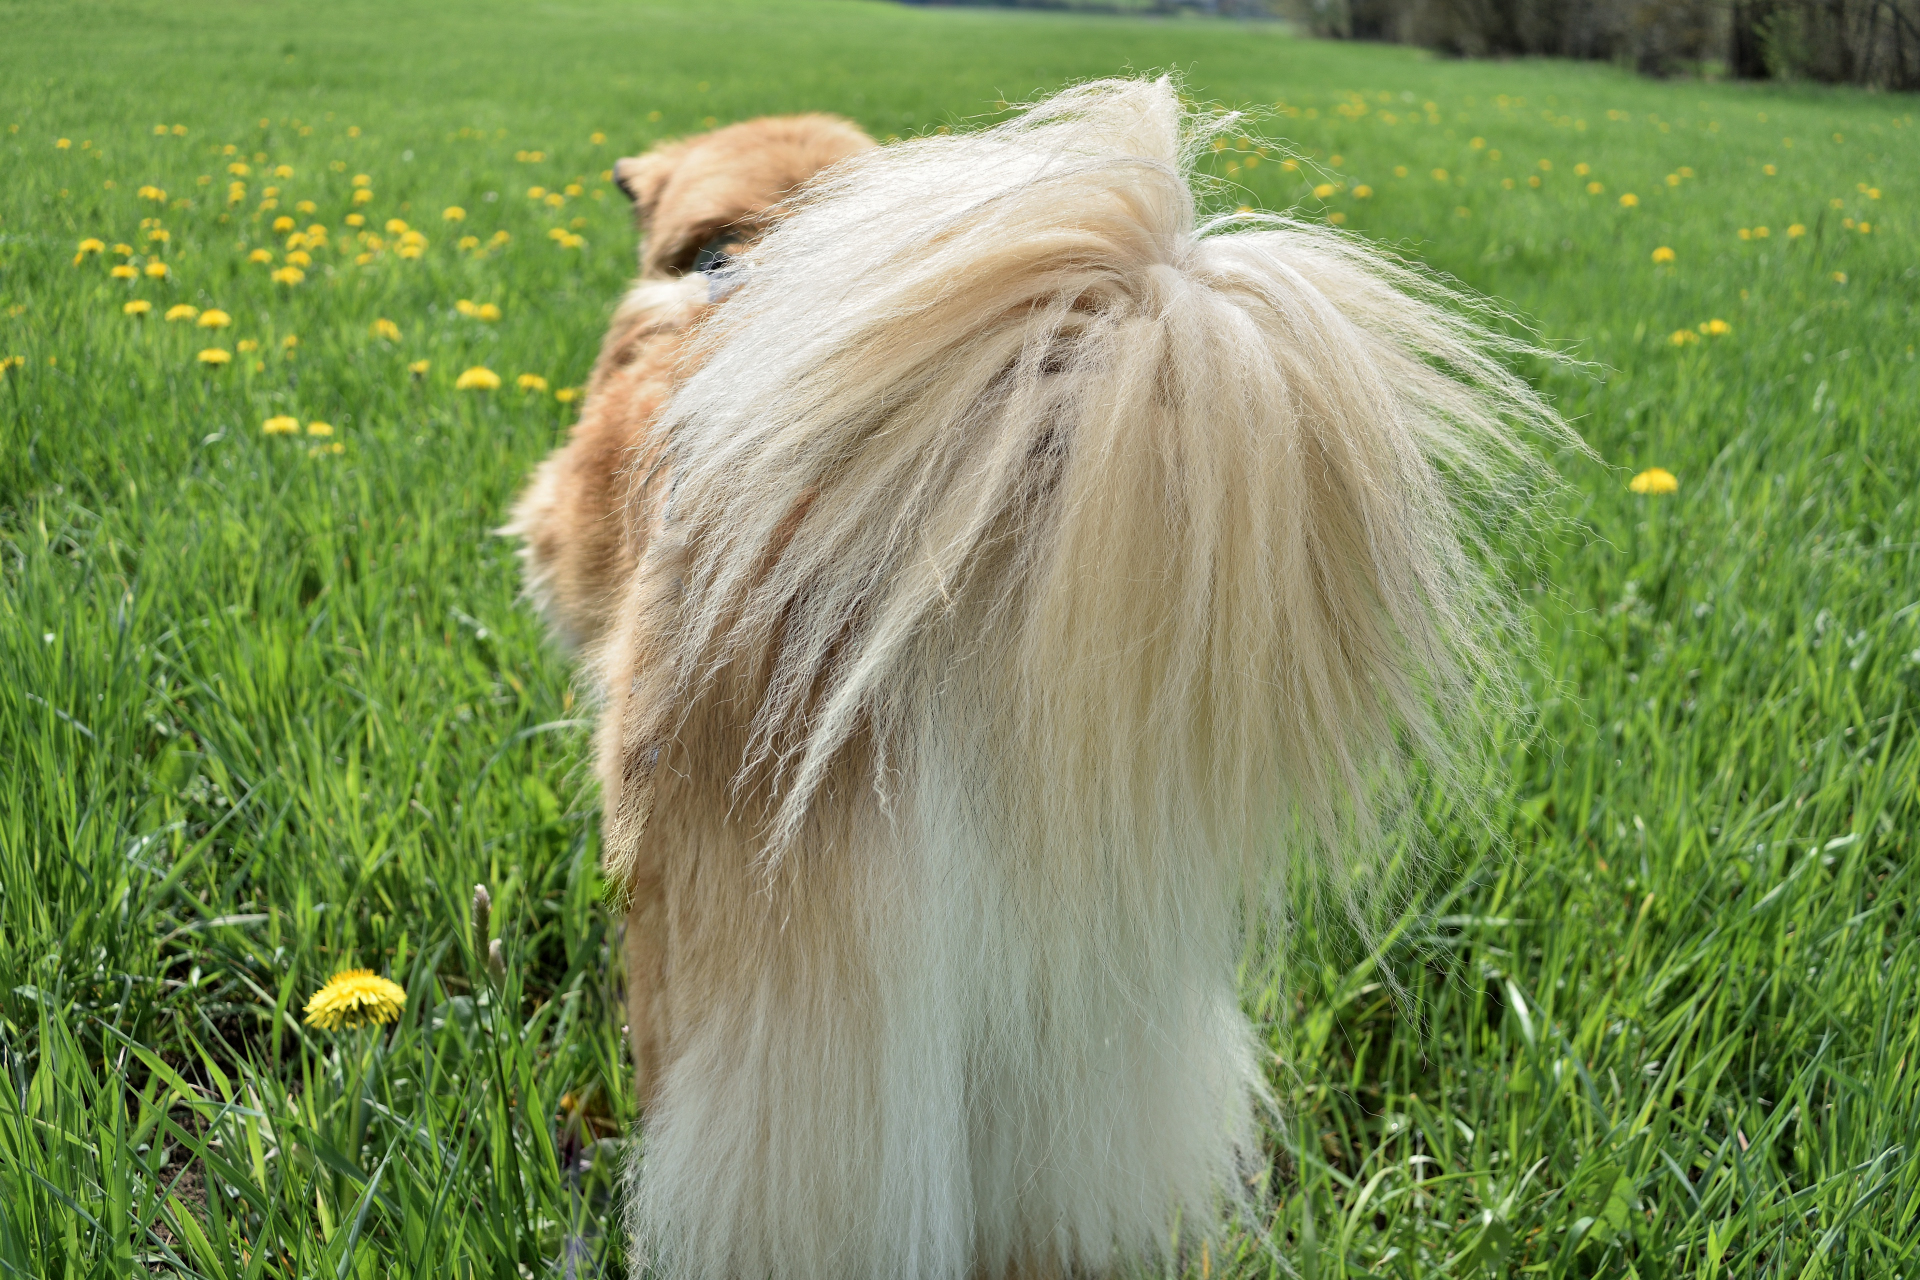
(994, 575)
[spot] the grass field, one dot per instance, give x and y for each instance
(268, 706)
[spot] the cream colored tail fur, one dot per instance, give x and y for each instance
(1116, 550)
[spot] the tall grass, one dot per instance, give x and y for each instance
(271, 710)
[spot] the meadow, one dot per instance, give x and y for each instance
(270, 708)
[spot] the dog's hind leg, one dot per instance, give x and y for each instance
(646, 955)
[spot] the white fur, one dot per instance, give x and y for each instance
(1119, 556)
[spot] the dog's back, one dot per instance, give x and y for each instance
(1034, 562)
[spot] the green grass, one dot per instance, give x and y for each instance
(268, 712)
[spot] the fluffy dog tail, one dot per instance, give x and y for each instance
(1173, 507)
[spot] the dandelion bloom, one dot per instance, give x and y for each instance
(1654, 480)
(289, 275)
(356, 219)
(260, 255)
(396, 226)
(1719, 328)
(536, 193)
(1761, 233)
(305, 206)
(567, 395)
(555, 199)
(1362, 192)
(362, 180)
(138, 307)
(1839, 277)
(363, 196)
(1663, 254)
(90, 245)
(63, 143)
(466, 307)
(419, 367)
(283, 224)
(125, 272)
(531, 382)
(281, 426)
(215, 356)
(1320, 192)
(1595, 188)
(454, 213)
(478, 378)
(487, 311)
(157, 270)
(1629, 201)
(124, 250)
(291, 341)
(283, 171)
(384, 328)
(319, 428)
(467, 242)
(500, 237)
(1439, 175)
(185, 311)
(214, 318)
(160, 235)
(1681, 337)
(247, 344)
(300, 258)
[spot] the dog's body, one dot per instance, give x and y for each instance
(980, 595)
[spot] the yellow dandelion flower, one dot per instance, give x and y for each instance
(1873, 193)
(291, 341)
(500, 237)
(124, 250)
(138, 307)
(574, 188)
(1439, 175)
(560, 233)
(454, 213)
(1362, 192)
(531, 382)
(356, 219)
(466, 307)
(158, 270)
(185, 311)
(478, 378)
(567, 395)
(1663, 254)
(1654, 480)
(410, 251)
(63, 144)
(1629, 201)
(555, 199)
(283, 224)
(1839, 277)
(1320, 192)
(487, 311)
(536, 193)
(1719, 328)
(300, 258)
(384, 328)
(90, 245)
(283, 171)
(319, 428)
(596, 138)
(260, 255)
(289, 275)
(1866, 228)
(1769, 170)
(362, 180)
(213, 318)
(467, 242)
(363, 195)
(280, 426)
(419, 368)
(1595, 188)
(1681, 337)
(1583, 169)
(215, 356)
(160, 235)
(362, 259)
(396, 226)
(1745, 233)
(305, 206)
(247, 344)
(125, 272)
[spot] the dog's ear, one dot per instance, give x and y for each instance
(644, 178)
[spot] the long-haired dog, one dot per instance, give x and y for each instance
(1003, 571)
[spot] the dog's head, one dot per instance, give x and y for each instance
(701, 199)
